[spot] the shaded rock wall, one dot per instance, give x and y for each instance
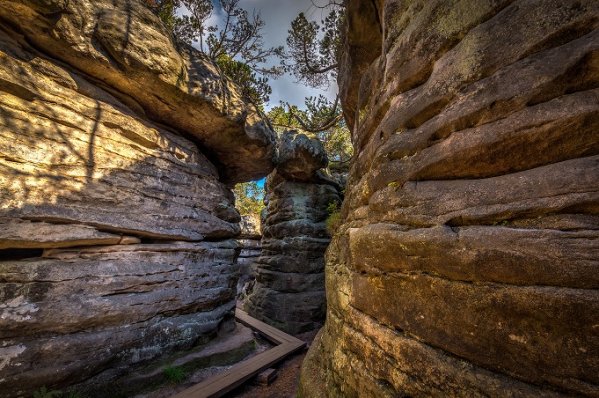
(467, 261)
(117, 231)
(249, 243)
(289, 288)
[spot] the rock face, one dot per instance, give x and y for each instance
(289, 288)
(467, 261)
(249, 243)
(116, 224)
(83, 312)
(128, 51)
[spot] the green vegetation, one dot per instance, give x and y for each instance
(249, 198)
(45, 393)
(174, 374)
(314, 48)
(236, 46)
(322, 119)
(333, 221)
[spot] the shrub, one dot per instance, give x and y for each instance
(45, 393)
(333, 221)
(174, 374)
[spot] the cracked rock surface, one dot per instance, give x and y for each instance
(117, 225)
(289, 289)
(466, 263)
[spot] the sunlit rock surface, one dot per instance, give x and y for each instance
(116, 224)
(124, 47)
(289, 288)
(467, 262)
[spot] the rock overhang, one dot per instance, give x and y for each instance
(125, 47)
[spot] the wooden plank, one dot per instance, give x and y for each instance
(271, 333)
(266, 377)
(228, 380)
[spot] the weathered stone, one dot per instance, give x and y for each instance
(466, 264)
(109, 307)
(116, 153)
(125, 46)
(73, 153)
(250, 227)
(22, 234)
(300, 156)
(251, 232)
(289, 288)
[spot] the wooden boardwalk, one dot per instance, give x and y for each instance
(219, 385)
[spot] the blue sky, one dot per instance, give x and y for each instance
(277, 15)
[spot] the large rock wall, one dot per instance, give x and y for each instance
(467, 263)
(250, 250)
(116, 224)
(289, 289)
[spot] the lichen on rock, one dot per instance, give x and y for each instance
(466, 261)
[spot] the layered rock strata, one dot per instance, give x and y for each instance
(467, 261)
(249, 243)
(289, 288)
(117, 229)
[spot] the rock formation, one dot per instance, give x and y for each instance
(467, 261)
(289, 288)
(249, 243)
(116, 226)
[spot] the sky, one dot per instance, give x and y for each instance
(277, 15)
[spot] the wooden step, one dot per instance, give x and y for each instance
(222, 383)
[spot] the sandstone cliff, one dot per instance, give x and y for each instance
(116, 226)
(467, 261)
(249, 243)
(289, 288)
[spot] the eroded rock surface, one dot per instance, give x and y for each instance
(249, 243)
(93, 312)
(126, 48)
(467, 261)
(117, 226)
(289, 288)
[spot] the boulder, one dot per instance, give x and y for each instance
(73, 153)
(117, 225)
(300, 156)
(86, 315)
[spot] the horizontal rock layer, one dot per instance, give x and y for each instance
(116, 222)
(77, 313)
(71, 152)
(289, 288)
(466, 264)
(127, 49)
